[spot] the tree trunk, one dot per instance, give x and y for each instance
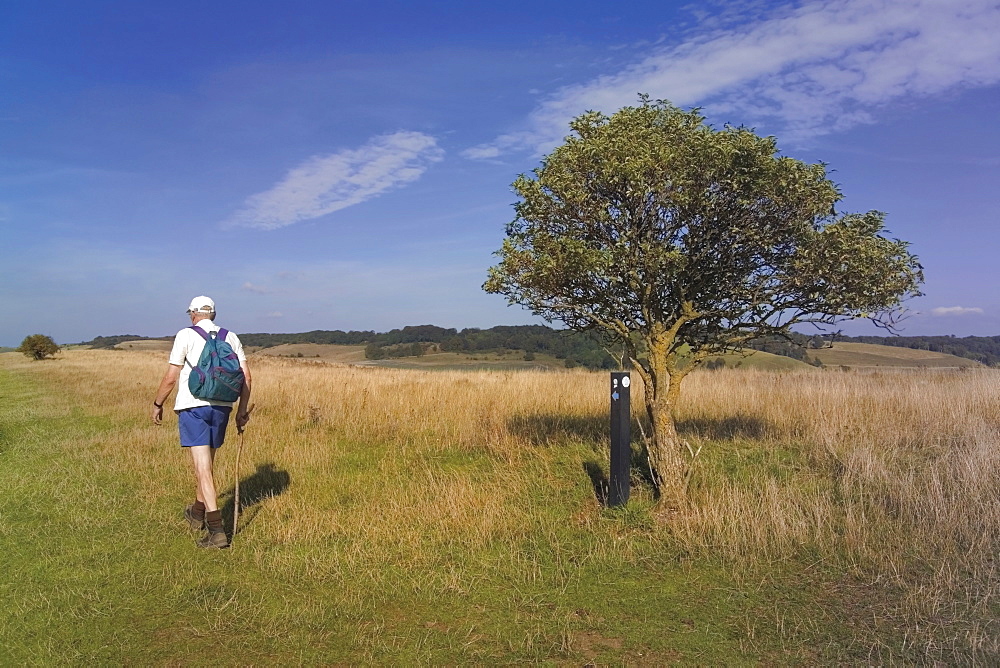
(662, 383)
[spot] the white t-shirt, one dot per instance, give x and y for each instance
(186, 352)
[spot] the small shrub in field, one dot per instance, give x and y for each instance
(38, 346)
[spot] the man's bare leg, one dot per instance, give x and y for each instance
(203, 460)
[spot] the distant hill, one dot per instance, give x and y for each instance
(982, 349)
(112, 341)
(159, 345)
(760, 360)
(858, 355)
(587, 350)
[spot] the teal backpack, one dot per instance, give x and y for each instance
(218, 376)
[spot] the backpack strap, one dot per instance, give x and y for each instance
(221, 334)
(204, 335)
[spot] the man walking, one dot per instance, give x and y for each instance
(202, 423)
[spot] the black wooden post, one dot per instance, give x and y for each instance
(621, 439)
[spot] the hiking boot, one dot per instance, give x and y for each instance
(214, 540)
(194, 522)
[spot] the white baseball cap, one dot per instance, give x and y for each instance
(202, 304)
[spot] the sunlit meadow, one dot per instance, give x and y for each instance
(453, 516)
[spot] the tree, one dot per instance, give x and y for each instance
(38, 346)
(679, 241)
(375, 351)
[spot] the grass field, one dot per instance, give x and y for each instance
(399, 516)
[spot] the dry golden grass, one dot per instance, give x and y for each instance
(891, 476)
(896, 472)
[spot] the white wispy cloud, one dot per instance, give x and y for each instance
(482, 152)
(956, 310)
(256, 289)
(324, 184)
(819, 67)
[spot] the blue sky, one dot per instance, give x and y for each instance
(347, 165)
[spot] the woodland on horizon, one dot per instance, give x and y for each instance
(584, 348)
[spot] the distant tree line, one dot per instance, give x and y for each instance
(577, 348)
(334, 337)
(793, 346)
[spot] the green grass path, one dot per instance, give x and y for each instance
(99, 569)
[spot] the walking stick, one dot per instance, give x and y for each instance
(239, 453)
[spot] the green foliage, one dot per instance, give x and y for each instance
(38, 346)
(790, 345)
(677, 241)
(381, 351)
(652, 222)
(374, 351)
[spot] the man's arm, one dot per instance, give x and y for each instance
(242, 416)
(163, 393)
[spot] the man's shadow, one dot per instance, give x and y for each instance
(262, 484)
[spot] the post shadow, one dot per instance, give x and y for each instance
(638, 469)
(264, 483)
(545, 429)
(598, 479)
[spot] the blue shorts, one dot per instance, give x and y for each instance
(203, 425)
